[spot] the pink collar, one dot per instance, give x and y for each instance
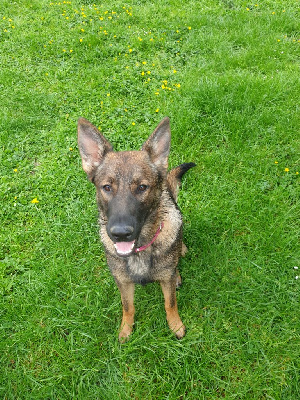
(154, 238)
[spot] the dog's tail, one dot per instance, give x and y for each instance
(174, 178)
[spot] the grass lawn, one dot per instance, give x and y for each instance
(227, 74)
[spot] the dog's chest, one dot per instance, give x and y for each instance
(141, 268)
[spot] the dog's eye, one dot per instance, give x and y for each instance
(107, 188)
(142, 188)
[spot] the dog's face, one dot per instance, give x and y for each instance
(127, 186)
(127, 182)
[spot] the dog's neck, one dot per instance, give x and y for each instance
(137, 250)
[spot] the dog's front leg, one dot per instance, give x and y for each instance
(173, 318)
(127, 297)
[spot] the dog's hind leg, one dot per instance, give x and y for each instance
(178, 279)
(127, 297)
(173, 318)
(184, 250)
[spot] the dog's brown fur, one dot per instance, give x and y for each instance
(135, 195)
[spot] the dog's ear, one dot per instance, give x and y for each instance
(92, 146)
(158, 144)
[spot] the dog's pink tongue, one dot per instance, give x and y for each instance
(124, 247)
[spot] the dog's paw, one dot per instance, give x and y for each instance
(178, 328)
(180, 332)
(125, 333)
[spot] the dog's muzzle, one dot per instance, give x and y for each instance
(122, 237)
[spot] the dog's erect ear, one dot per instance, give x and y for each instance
(158, 144)
(92, 146)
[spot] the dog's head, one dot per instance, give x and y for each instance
(128, 183)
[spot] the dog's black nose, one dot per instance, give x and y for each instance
(121, 232)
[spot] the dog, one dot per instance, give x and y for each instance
(140, 222)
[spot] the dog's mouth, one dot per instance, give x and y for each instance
(124, 248)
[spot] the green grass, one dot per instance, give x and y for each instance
(226, 73)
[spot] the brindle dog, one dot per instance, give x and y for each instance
(140, 222)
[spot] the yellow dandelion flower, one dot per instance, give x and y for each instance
(71, 148)
(286, 169)
(157, 110)
(15, 170)
(144, 62)
(133, 123)
(108, 94)
(34, 201)
(189, 28)
(143, 73)
(276, 162)
(80, 40)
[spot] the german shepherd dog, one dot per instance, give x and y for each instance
(140, 222)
